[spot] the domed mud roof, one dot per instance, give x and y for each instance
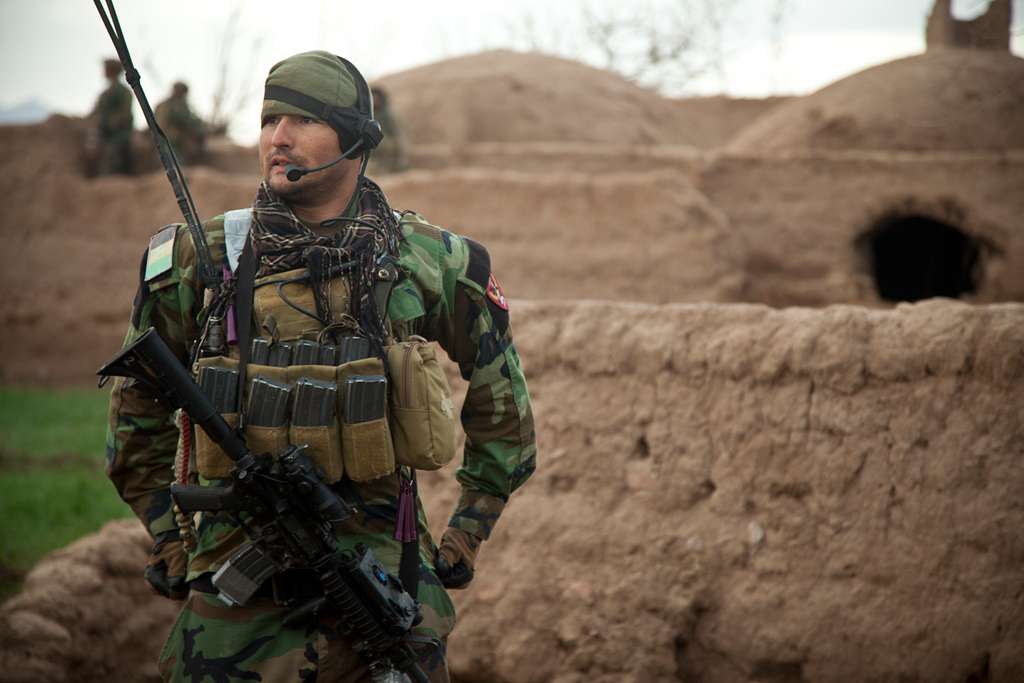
(947, 99)
(505, 96)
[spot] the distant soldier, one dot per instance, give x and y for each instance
(390, 156)
(113, 116)
(184, 129)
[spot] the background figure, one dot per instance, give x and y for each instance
(390, 156)
(113, 116)
(184, 129)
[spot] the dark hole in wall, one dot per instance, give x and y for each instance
(915, 257)
(983, 672)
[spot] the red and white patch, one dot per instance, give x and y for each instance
(495, 294)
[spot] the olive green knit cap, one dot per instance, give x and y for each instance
(318, 74)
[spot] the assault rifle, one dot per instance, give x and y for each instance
(291, 518)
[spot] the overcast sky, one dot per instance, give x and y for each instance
(51, 49)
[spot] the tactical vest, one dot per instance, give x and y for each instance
(360, 415)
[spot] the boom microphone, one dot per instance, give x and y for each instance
(294, 172)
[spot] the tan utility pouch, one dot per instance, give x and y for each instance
(422, 413)
(366, 444)
(210, 459)
(288, 323)
(271, 311)
(323, 440)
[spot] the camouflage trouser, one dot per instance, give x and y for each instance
(213, 643)
(115, 157)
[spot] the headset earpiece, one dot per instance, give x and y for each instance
(366, 129)
(372, 134)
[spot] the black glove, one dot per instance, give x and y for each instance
(166, 568)
(456, 557)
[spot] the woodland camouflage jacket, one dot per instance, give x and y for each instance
(447, 295)
(113, 113)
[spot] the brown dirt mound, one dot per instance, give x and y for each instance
(714, 121)
(947, 99)
(86, 614)
(504, 96)
(724, 493)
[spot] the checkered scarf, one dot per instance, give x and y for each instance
(281, 243)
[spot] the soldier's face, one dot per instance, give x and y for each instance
(303, 141)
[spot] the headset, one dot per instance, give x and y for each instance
(351, 123)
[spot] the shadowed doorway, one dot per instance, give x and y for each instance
(914, 257)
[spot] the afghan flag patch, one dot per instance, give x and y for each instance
(159, 258)
(495, 294)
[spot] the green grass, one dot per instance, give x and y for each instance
(52, 485)
(38, 422)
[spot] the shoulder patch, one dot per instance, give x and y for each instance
(495, 294)
(160, 255)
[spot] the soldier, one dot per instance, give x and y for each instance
(390, 157)
(184, 129)
(113, 116)
(317, 110)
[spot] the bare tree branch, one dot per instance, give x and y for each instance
(666, 44)
(234, 85)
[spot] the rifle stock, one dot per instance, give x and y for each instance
(149, 361)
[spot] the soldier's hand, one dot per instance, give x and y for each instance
(166, 568)
(456, 557)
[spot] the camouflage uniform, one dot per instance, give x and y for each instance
(447, 294)
(184, 129)
(113, 112)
